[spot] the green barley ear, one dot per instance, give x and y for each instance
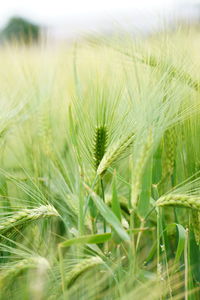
(22, 218)
(82, 267)
(14, 269)
(185, 201)
(179, 200)
(99, 144)
(196, 225)
(114, 153)
(139, 167)
(169, 153)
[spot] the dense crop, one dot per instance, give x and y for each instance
(99, 175)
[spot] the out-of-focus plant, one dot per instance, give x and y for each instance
(21, 30)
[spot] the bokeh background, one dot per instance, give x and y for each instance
(65, 20)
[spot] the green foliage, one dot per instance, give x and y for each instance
(20, 30)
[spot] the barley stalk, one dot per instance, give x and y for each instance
(179, 200)
(45, 132)
(114, 152)
(80, 268)
(23, 217)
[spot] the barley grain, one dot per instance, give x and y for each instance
(21, 218)
(170, 152)
(114, 152)
(99, 145)
(179, 200)
(80, 268)
(13, 269)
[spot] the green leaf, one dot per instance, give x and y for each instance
(96, 238)
(180, 246)
(181, 240)
(87, 239)
(108, 215)
(194, 258)
(92, 207)
(151, 253)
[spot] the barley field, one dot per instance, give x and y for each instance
(100, 169)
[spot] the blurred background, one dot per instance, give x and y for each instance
(66, 20)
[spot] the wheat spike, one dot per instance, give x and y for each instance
(99, 145)
(196, 225)
(179, 200)
(183, 76)
(25, 216)
(170, 152)
(13, 269)
(80, 268)
(114, 152)
(139, 169)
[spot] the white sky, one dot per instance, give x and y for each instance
(84, 13)
(49, 11)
